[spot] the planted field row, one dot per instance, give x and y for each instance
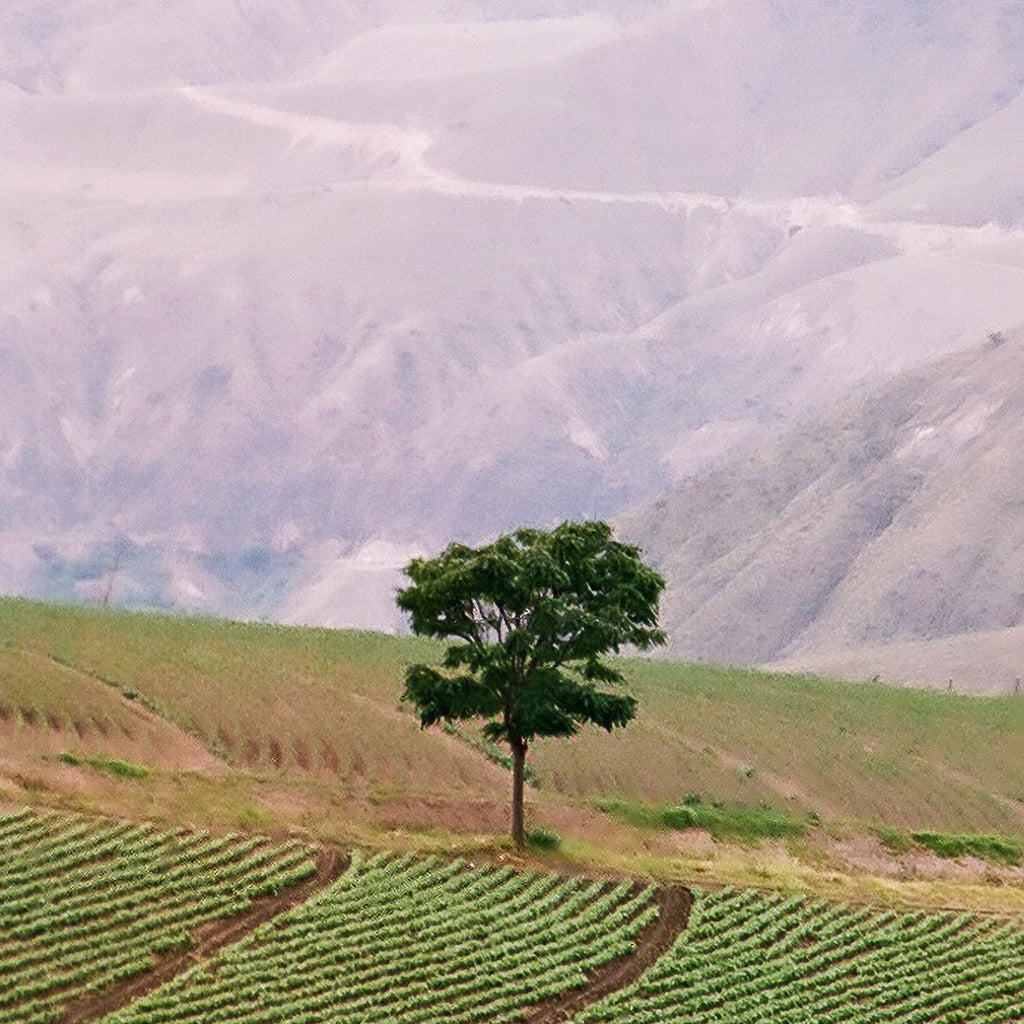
(83, 903)
(427, 941)
(411, 941)
(748, 958)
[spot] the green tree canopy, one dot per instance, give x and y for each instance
(532, 616)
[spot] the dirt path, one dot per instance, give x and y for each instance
(207, 940)
(404, 152)
(674, 903)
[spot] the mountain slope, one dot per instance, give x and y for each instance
(291, 291)
(984, 662)
(894, 516)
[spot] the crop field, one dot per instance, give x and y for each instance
(88, 905)
(406, 940)
(84, 903)
(747, 958)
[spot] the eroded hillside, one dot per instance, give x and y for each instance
(294, 290)
(893, 517)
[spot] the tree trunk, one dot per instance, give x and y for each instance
(518, 769)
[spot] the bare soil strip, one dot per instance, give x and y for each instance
(674, 903)
(207, 940)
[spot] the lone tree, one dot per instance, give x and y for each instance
(533, 615)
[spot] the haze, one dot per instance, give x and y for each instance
(292, 290)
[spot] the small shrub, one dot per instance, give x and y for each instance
(540, 839)
(120, 769)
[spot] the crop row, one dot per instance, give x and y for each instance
(406, 940)
(411, 941)
(83, 903)
(748, 958)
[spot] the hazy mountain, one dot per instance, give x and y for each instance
(989, 661)
(895, 515)
(290, 290)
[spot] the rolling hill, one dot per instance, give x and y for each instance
(298, 731)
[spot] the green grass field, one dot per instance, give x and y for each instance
(304, 730)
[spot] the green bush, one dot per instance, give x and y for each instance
(540, 839)
(991, 848)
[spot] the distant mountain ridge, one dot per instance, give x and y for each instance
(896, 515)
(293, 290)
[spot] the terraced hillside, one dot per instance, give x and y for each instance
(315, 714)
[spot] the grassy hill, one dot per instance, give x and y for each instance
(788, 779)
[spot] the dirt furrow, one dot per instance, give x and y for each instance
(207, 940)
(674, 903)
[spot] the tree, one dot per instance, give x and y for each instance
(533, 616)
